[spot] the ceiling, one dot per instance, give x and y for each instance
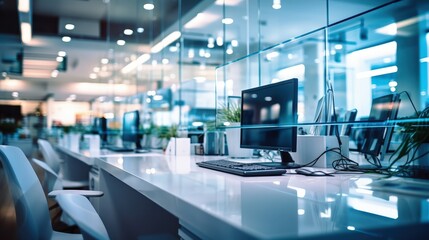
(98, 25)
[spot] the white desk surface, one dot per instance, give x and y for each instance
(213, 203)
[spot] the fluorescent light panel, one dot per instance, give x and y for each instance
(166, 41)
(24, 6)
(377, 72)
(201, 20)
(132, 65)
(26, 32)
(37, 73)
(40, 64)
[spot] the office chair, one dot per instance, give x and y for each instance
(54, 162)
(31, 207)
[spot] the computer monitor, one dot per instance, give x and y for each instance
(131, 129)
(377, 139)
(268, 119)
(99, 127)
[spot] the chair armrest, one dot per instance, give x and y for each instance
(85, 193)
(78, 208)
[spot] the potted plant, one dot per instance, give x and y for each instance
(415, 143)
(230, 116)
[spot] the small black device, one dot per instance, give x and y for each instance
(268, 120)
(242, 169)
(377, 139)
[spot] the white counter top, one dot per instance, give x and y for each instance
(218, 205)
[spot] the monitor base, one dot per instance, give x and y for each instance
(286, 163)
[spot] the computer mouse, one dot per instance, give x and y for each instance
(308, 172)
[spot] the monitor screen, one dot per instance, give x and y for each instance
(264, 112)
(131, 127)
(383, 108)
(99, 126)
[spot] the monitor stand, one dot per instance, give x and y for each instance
(286, 163)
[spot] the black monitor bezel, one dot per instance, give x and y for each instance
(244, 127)
(132, 137)
(384, 133)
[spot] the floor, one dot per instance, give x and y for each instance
(8, 225)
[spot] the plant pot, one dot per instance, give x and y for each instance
(233, 141)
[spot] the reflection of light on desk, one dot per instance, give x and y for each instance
(342, 194)
(375, 206)
(300, 192)
(120, 161)
(393, 199)
(301, 212)
(364, 191)
(363, 181)
(326, 214)
(276, 183)
(150, 170)
(351, 228)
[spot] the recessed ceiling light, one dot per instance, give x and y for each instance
(62, 53)
(140, 30)
(227, 21)
(234, 43)
(54, 73)
(128, 32)
(104, 61)
(277, 4)
(165, 61)
(66, 39)
(69, 26)
(120, 42)
(60, 59)
(15, 94)
(149, 6)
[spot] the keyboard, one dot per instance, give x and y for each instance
(242, 169)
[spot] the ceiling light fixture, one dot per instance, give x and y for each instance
(15, 94)
(128, 32)
(25, 32)
(219, 41)
(202, 20)
(277, 4)
(227, 21)
(165, 61)
(191, 53)
(210, 43)
(54, 73)
(120, 42)
(134, 64)
(60, 59)
(166, 41)
(149, 6)
(229, 50)
(140, 30)
(234, 43)
(62, 53)
(24, 6)
(104, 61)
(66, 39)
(69, 26)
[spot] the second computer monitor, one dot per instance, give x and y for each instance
(130, 128)
(269, 117)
